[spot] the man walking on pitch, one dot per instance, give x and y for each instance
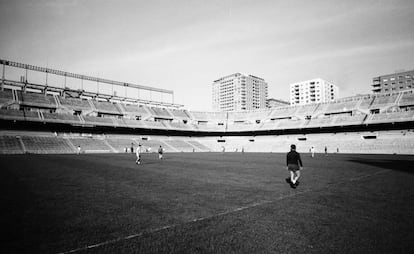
(137, 153)
(160, 151)
(294, 165)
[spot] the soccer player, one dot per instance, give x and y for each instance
(294, 165)
(160, 151)
(313, 151)
(79, 149)
(137, 153)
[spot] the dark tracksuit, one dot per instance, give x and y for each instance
(293, 161)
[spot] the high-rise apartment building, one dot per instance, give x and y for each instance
(393, 82)
(238, 92)
(312, 91)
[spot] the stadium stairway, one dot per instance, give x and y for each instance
(169, 148)
(112, 148)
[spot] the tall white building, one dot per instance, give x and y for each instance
(312, 91)
(238, 92)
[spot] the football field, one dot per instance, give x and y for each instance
(206, 203)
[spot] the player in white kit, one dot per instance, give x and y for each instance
(138, 154)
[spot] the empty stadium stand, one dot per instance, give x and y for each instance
(60, 118)
(383, 101)
(39, 144)
(179, 145)
(347, 119)
(10, 145)
(6, 97)
(91, 144)
(36, 100)
(407, 98)
(160, 113)
(137, 112)
(106, 107)
(75, 104)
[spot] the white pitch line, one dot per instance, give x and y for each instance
(296, 193)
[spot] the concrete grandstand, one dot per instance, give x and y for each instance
(36, 119)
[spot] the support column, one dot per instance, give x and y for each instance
(3, 76)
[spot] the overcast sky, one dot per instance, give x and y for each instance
(184, 45)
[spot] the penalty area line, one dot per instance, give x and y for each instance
(238, 209)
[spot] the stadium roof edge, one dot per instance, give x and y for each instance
(80, 76)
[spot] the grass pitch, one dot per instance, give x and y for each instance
(206, 203)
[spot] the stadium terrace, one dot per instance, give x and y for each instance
(63, 116)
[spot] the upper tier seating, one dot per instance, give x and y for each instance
(321, 122)
(342, 120)
(154, 125)
(106, 121)
(366, 103)
(342, 106)
(282, 112)
(242, 127)
(306, 110)
(134, 123)
(6, 97)
(38, 144)
(135, 110)
(180, 114)
(32, 115)
(179, 126)
(10, 145)
(407, 98)
(210, 127)
(106, 107)
(60, 118)
(384, 100)
(37, 100)
(392, 117)
(281, 124)
(199, 116)
(212, 117)
(160, 113)
(248, 116)
(75, 104)
(12, 114)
